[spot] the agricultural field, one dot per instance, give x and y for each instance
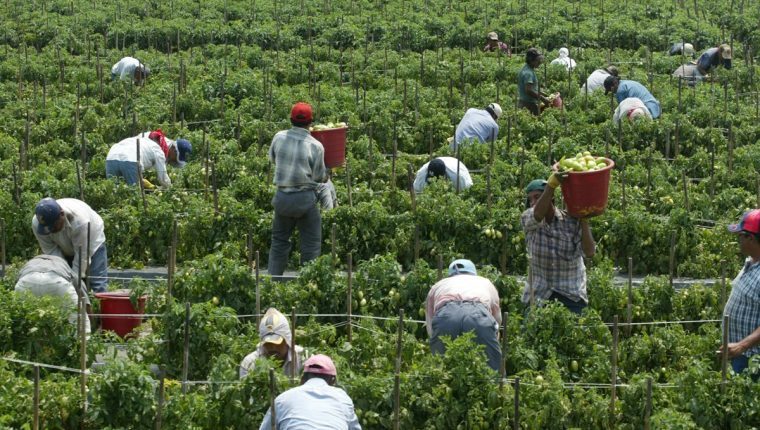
(225, 73)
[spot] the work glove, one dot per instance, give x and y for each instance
(147, 184)
(555, 179)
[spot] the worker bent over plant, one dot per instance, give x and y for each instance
(464, 302)
(275, 341)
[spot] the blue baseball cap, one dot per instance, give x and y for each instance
(462, 266)
(47, 211)
(184, 149)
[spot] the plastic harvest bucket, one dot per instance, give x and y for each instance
(334, 142)
(117, 303)
(585, 193)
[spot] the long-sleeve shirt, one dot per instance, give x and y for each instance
(151, 155)
(465, 181)
(709, 60)
(459, 288)
(313, 405)
(556, 257)
(628, 89)
(249, 362)
(72, 238)
(500, 46)
(125, 68)
(299, 160)
(743, 305)
(50, 264)
(476, 124)
(595, 80)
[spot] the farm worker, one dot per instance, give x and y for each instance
(625, 88)
(299, 169)
(682, 48)
(564, 60)
(275, 341)
(50, 275)
(315, 404)
(443, 167)
(714, 57)
(596, 79)
(61, 228)
(528, 88)
(130, 68)
(155, 151)
(631, 108)
(707, 62)
(556, 244)
(743, 305)
(464, 302)
(493, 44)
(478, 125)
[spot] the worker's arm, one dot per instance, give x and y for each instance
(543, 206)
(587, 239)
(160, 163)
(495, 304)
(429, 310)
(535, 94)
(266, 424)
(736, 349)
(421, 179)
(79, 242)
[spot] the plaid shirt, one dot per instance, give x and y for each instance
(299, 160)
(743, 305)
(556, 257)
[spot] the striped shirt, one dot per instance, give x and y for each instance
(556, 257)
(743, 305)
(299, 160)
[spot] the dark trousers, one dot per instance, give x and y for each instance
(294, 210)
(572, 306)
(455, 318)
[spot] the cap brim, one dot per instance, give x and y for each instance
(273, 338)
(734, 228)
(43, 229)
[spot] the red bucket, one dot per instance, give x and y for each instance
(334, 142)
(118, 303)
(585, 193)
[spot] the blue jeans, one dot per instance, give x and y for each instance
(99, 269)
(298, 209)
(574, 307)
(123, 169)
(455, 318)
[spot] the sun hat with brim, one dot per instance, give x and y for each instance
(274, 328)
(749, 223)
(273, 338)
(47, 213)
(320, 364)
(493, 36)
(726, 54)
(462, 266)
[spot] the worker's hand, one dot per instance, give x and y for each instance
(147, 184)
(556, 179)
(735, 349)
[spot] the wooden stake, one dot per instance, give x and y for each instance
(629, 306)
(293, 356)
(613, 377)
(672, 271)
(272, 396)
(2, 246)
(83, 353)
(503, 259)
(723, 284)
(516, 422)
(685, 190)
(161, 397)
(349, 294)
(397, 374)
(440, 267)
(140, 178)
(410, 180)
(214, 188)
(348, 184)
(648, 405)
(36, 399)
(186, 349)
(79, 182)
(258, 291)
(333, 244)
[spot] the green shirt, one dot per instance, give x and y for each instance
(527, 76)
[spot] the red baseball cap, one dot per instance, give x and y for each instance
(301, 112)
(320, 364)
(750, 222)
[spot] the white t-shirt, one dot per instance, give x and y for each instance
(125, 68)
(595, 81)
(151, 155)
(465, 181)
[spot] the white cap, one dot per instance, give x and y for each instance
(496, 109)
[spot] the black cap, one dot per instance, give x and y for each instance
(609, 81)
(436, 168)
